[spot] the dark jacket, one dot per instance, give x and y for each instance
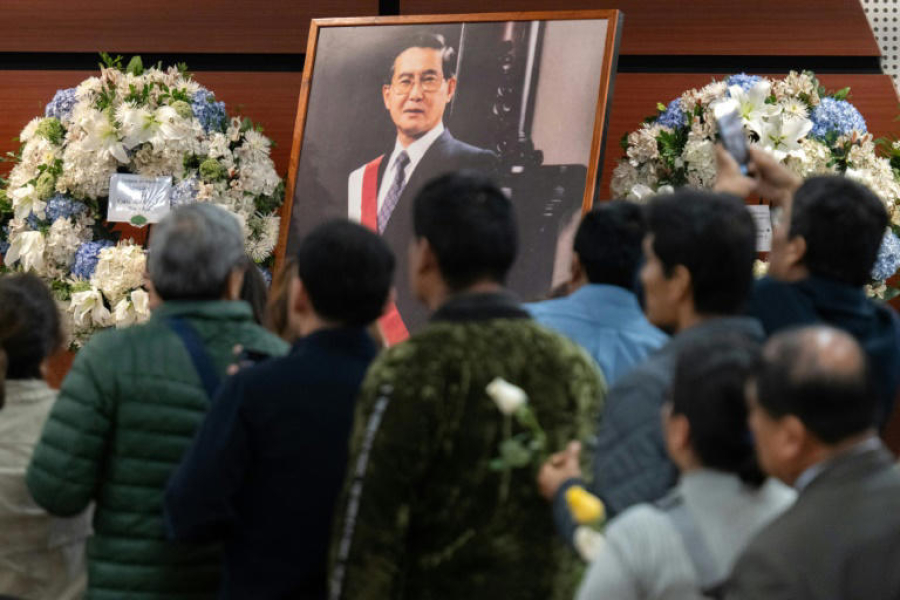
(630, 461)
(427, 517)
(780, 305)
(268, 463)
(840, 540)
(126, 413)
(445, 155)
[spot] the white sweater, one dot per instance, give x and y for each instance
(644, 557)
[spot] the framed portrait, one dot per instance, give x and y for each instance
(389, 103)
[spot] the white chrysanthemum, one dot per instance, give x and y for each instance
(133, 309)
(88, 309)
(699, 157)
(27, 249)
(263, 236)
(38, 151)
(794, 108)
(119, 270)
(256, 146)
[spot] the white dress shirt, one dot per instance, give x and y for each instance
(415, 151)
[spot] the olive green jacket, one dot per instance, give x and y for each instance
(424, 516)
(125, 415)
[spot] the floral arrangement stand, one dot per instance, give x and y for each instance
(811, 130)
(152, 122)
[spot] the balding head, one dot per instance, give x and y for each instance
(819, 375)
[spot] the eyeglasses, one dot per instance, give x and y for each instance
(429, 83)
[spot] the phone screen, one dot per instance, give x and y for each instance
(731, 131)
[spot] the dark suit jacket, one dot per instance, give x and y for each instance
(840, 540)
(445, 155)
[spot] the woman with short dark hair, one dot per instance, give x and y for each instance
(41, 557)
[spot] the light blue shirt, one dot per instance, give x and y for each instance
(607, 321)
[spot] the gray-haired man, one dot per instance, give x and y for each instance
(130, 405)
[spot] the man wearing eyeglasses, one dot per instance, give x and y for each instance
(421, 83)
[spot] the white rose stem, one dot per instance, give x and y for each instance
(507, 470)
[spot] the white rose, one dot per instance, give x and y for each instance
(508, 397)
(588, 542)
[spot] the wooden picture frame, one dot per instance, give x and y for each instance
(528, 76)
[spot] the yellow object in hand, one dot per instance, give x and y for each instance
(586, 508)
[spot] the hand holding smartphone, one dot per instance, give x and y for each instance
(731, 132)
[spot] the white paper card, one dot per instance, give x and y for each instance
(763, 220)
(138, 200)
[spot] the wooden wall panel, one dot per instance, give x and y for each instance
(166, 26)
(636, 95)
(708, 27)
(268, 98)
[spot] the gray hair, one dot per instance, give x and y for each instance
(192, 252)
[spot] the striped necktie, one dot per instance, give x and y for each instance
(393, 194)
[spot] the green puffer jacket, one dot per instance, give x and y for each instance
(125, 415)
(429, 519)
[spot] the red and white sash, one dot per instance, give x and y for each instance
(363, 208)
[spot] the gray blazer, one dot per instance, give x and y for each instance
(840, 540)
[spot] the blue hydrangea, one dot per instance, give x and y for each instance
(836, 116)
(62, 104)
(267, 275)
(86, 258)
(673, 116)
(184, 192)
(4, 239)
(35, 223)
(888, 260)
(210, 113)
(743, 81)
(61, 205)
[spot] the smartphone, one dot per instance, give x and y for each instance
(731, 132)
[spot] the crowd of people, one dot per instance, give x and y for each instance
(245, 444)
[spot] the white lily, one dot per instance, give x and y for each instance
(26, 248)
(88, 309)
(781, 137)
(138, 125)
(102, 136)
(25, 201)
(132, 310)
(751, 105)
(508, 397)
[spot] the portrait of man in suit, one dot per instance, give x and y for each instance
(419, 84)
(393, 104)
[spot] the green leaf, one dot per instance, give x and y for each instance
(842, 94)
(514, 453)
(110, 62)
(138, 220)
(661, 107)
(135, 66)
